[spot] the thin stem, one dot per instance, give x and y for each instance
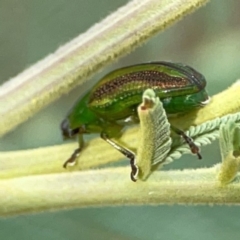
(115, 36)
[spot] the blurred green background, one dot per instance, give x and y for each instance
(208, 40)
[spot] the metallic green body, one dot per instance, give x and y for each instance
(116, 96)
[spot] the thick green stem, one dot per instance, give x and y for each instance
(97, 152)
(112, 187)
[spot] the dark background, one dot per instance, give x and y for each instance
(208, 40)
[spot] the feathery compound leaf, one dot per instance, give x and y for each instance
(155, 141)
(202, 134)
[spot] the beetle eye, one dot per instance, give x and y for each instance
(65, 129)
(67, 132)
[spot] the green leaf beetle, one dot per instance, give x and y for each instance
(116, 96)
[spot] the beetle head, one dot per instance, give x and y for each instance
(67, 132)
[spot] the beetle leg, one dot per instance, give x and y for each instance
(127, 153)
(72, 160)
(194, 148)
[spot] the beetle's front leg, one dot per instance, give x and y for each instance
(194, 148)
(126, 152)
(72, 160)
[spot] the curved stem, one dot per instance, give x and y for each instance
(97, 152)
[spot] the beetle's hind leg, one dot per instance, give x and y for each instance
(126, 152)
(72, 160)
(194, 148)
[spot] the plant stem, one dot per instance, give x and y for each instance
(118, 34)
(112, 187)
